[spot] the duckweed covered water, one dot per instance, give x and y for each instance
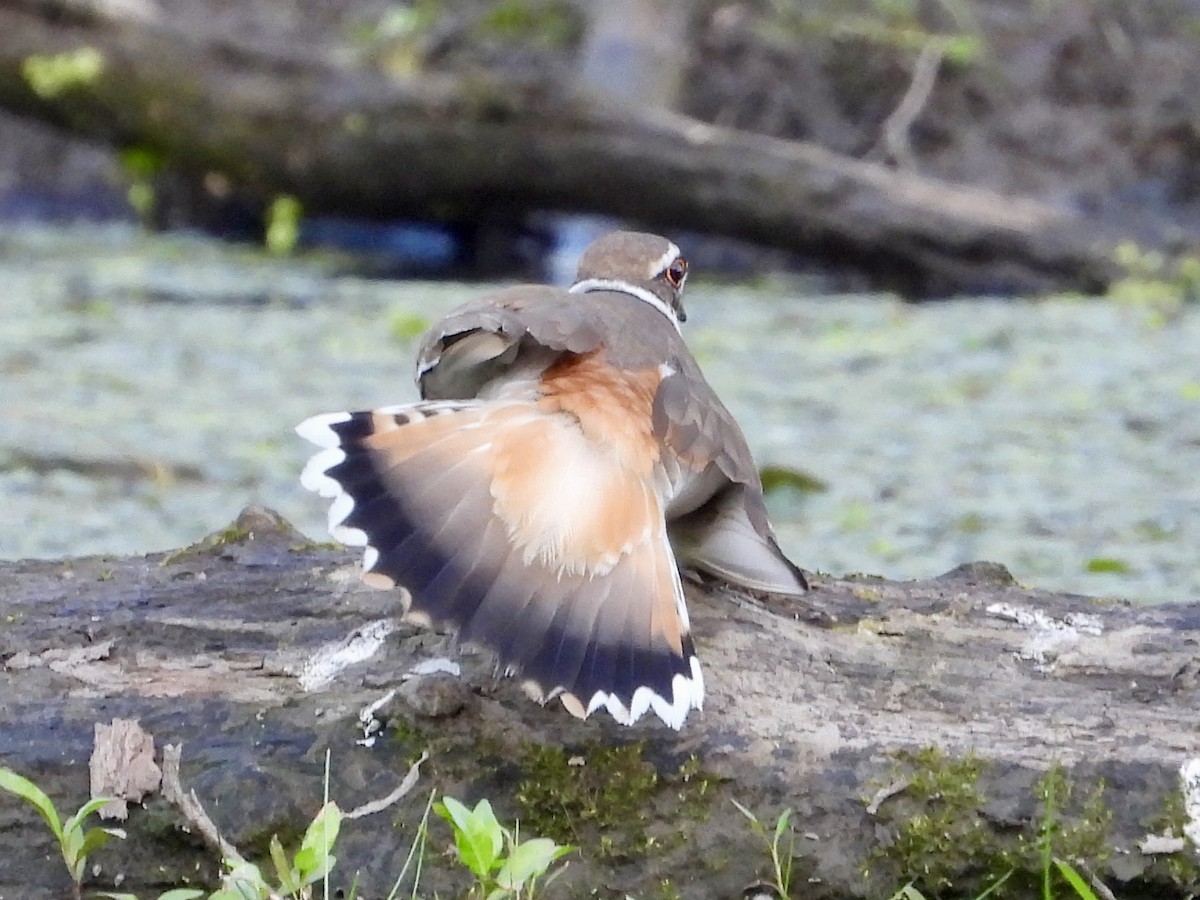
(149, 386)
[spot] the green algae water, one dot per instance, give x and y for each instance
(149, 387)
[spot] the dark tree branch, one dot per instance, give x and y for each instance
(350, 140)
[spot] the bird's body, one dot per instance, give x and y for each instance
(568, 457)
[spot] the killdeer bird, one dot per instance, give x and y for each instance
(568, 456)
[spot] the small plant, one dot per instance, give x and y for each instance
(910, 892)
(295, 877)
(781, 867)
(283, 225)
(1054, 839)
(75, 841)
(480, 841)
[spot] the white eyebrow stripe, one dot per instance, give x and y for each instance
(660, 265)
(624, 287)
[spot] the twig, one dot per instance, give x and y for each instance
(190, 808)
(895, 143)
(1101, 889)
(409, 782)
(885, 793)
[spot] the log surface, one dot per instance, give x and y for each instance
(243, 647)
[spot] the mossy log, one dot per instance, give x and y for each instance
(915, 729)
(349, 140)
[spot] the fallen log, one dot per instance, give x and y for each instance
(915, 729)
(350, 140)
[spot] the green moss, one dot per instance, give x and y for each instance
(1182, 869)
(941, 843)
(938, 832)
(1075, 830)
(233, 534)
(604, 789)
(695, 789)
(610, 799)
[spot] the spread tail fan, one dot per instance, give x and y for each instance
(557, 560)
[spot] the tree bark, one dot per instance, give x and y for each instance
(910, 726)
(349, 140)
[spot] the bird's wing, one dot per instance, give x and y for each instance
(719, 523)
(489, 337)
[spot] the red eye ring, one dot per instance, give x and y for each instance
(676, 272)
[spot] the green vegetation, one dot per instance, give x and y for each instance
(781, 862)
(891, 23)
(294, 875)
(141, 165)
(53, 76)
(480, 842)
(406, 327)
(1155, 282)
(231, 534)
(775, 478)
(1182, 869)
(502, 863)
(74, 840)
(939, 845)
(600, 790)
(283, 225)
(549, 23)
(938, 833)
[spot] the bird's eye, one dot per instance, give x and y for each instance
(676, 273)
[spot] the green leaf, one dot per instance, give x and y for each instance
(181, 894)
(243, 881)
(781, 824)
(93, 840)
(34, 795)
(237, 893)
(76, 821)
(776, 478)
(289, 879)
(1107, 564)
(528, 860)
(315, 856)
(1082, 888)
(477, 834)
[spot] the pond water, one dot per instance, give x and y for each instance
(149, 385)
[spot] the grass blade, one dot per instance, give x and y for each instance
(1073, 878)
